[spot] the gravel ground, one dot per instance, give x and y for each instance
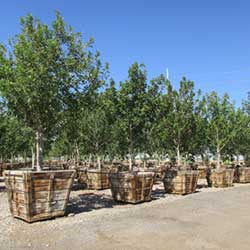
(208, 219)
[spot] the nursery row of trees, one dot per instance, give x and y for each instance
(58, 99)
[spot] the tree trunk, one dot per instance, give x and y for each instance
(39, 151)
(11, 160)
(178, 155)
(130, 162)
(77, 155)
(25, 159)
(238, 159)
(218, 157)
(99, 162)
(89, 161)
(32, 158)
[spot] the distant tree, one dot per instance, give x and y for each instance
(199, 141)
(155, 108)
(132, 113)
(222, 123)
(179, 118)
(242, 140)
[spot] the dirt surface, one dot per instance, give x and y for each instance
(208, 219)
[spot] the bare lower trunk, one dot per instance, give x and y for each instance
(238, 159)
(218, 158)
(25, 159)
(32, 158)
(77, 155)
(130, 163)
(39, 151)
(99, 162)
(178, 155)
(11, 160)
(89, 161)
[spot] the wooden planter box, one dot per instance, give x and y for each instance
(242, 175)
(180, 181)
(222, 178)
(132, 187)
(98, 179)
(81, 175)
(202, 172)
(160, 171)
(35, 196)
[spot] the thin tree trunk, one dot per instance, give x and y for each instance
(89, 161)
(131, 148)
(238, 159)
(39, 151)
(32, 158)
(99, 162)
(130, 162)
(218, 157)
(178, 155)
(11, 160)
(77, 156)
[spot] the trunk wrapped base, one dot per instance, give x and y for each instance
(132, 187)
(98, 179)
(180, 181)
(242, 175)
(222, 178)
(35, 196)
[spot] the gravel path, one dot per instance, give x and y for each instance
(210, 219)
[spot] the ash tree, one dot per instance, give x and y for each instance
(40, 69)
(199, 142)
(222, 122)
(132, 112)
(154, 108)
(242, 141)
(178, 119)
(97, 124)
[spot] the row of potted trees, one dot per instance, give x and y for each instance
(39, 195)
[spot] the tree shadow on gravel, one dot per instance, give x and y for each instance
(90, 201)
(78, 186)
(200, 186)
(158, 193)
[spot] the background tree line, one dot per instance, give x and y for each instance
(58, 99)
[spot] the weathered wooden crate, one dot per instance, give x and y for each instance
(35, 196)
(132, 187)
(242, 175)
(160, 171)
(81, 175)
(180, 181)
(202, 172)
(98, 179)
(222, 178)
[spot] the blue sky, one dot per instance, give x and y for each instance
(207, 41)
